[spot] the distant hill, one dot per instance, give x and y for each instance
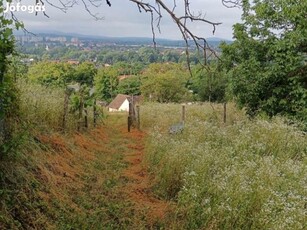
(214, 42)
(216, 39)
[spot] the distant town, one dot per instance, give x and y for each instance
(76, 48)
(88, 41)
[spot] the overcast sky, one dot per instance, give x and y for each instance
(123, 19)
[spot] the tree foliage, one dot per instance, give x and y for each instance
(8, 92)
(130, 86)
(165, 82)
(106, 82)
(85, 74)
(268, 58)
(209, 84)
(51, 73)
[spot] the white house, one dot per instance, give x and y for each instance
(121, 102)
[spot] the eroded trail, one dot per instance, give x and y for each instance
(135, 187)
(139, 185)
(98, 180)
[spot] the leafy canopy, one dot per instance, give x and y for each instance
(165, 82)
(106, 82)
(130, 86)
(267, 61)
(51, 73)
(209, 84)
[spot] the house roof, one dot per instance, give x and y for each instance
(118, 101)
(120, 98)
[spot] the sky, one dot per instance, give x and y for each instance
(123, 19)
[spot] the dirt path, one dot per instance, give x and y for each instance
(139, 186)
(98, 180)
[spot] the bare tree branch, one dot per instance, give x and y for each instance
(232, 3)
(181, 21)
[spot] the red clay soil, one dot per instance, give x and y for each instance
(139, 186)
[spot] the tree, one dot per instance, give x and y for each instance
(49, 73)
(209, 84)
(8, 92)
(165, 82)
(130, 86)
(128, 68)
(85, 74)
(17, 68)
(106, 82)
(267, 61)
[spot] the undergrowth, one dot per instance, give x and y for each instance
(245, 174)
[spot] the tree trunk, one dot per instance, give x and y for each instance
(95, 113)
(2, 112)
(85, 118)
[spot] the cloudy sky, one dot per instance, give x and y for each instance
(124, 19)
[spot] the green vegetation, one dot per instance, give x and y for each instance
(9, 107)
(49, 73)
(42, 108)
(106, 82)
(60, 168)
(242, 175)
(267, 61)
(165, 83)
(210, 84)
(130, 86)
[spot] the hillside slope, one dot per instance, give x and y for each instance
(94, 180)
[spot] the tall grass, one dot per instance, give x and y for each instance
(242, 175)
(43, 108)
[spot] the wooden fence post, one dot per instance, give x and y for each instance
(94, 113)
(130, 116)
(183, 114)
(129, 123)
(225, 112)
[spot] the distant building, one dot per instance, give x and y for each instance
(56, 39)
(74, 40)
(121, 102)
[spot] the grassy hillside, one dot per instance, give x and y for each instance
(240, 175)
(74, 180)
(245, 174)
(93, 180)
